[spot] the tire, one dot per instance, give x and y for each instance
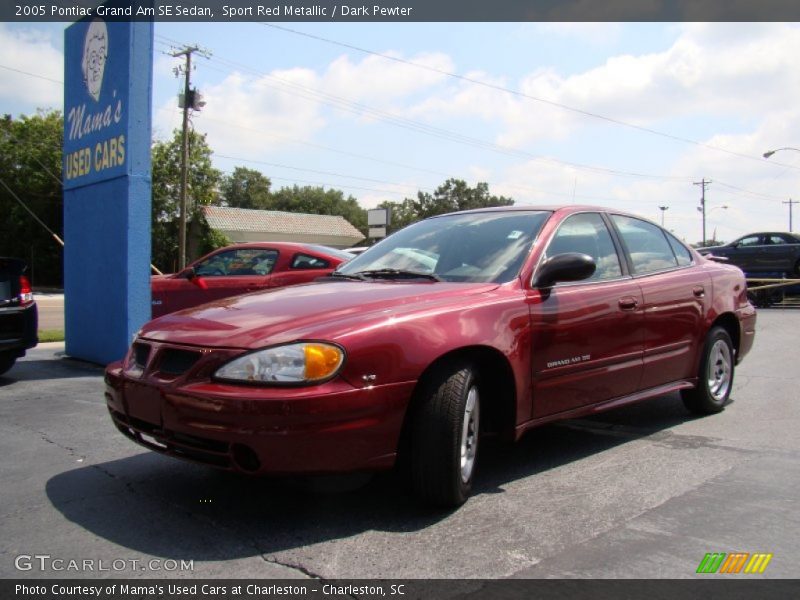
(7, 361)
(715, 379)
(797, 268)
(444, 437)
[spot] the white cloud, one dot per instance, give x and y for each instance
(249, 115)
(33, 52)
(381, 82)
(711, 69)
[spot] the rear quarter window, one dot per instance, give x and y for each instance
(306, 261)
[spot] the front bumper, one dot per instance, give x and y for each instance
(327, 428)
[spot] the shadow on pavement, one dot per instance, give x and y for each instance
(31, 369)
(168, 508)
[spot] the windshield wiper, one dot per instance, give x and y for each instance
(397, 273)
(354, 276)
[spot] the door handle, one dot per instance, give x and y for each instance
(699, 291)
(628, 303)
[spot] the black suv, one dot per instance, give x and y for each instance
(18, 313)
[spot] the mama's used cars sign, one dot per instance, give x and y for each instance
(107, 110)
(95, 112)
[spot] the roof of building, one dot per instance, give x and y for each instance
(273, 221)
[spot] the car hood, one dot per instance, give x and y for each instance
(324, 310)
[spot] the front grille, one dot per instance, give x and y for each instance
(141, 352)
(176, 362)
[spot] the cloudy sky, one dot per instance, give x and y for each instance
(622, 115)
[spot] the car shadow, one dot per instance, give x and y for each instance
(35, 370)
(167, 508)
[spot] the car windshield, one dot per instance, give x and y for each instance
(476, 247)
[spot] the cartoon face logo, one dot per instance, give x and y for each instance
(95, 52)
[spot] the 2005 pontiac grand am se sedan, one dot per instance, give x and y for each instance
(494, 320)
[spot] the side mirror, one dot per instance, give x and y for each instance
(190, 274)
(570, 266)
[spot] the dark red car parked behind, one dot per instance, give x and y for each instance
(496, 320)
(242, 268)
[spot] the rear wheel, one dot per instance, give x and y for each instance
(7, 361)
(444, 439)
(715, 379)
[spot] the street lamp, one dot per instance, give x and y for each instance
(769, 153)
(712, 209)
(702, 209)
(663, 209)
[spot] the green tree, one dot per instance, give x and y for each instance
(453, 195)
(203, 181)
(319, 201)
(402, 214)
(30, 165)
(245, 188)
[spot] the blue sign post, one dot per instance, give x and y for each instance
(107, 123)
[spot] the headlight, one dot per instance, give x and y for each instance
(303, 362)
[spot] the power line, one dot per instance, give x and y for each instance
(410, 124)
(517, 93)
(358, 108)
(33, 214)
(31, 74)
(333, 173)
(440, 173)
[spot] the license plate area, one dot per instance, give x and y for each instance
(143, 403)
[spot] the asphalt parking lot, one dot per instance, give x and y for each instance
(641, 492)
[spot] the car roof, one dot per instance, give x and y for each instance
(787, 233)
(307, 247)
(569, 208)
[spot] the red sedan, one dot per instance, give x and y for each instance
(496, 320)
(242, 268)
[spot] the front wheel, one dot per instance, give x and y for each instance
(444, 439)
(715, 379)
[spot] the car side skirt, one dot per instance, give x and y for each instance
(591, 409)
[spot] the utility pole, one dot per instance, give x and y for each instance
(187, 94)
(702, 207)
(791, 203)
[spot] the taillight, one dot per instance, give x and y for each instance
(25, 291)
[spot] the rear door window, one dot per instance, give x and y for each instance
(306, 261)
(647, 245)
(587, 233)
(681, 252)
